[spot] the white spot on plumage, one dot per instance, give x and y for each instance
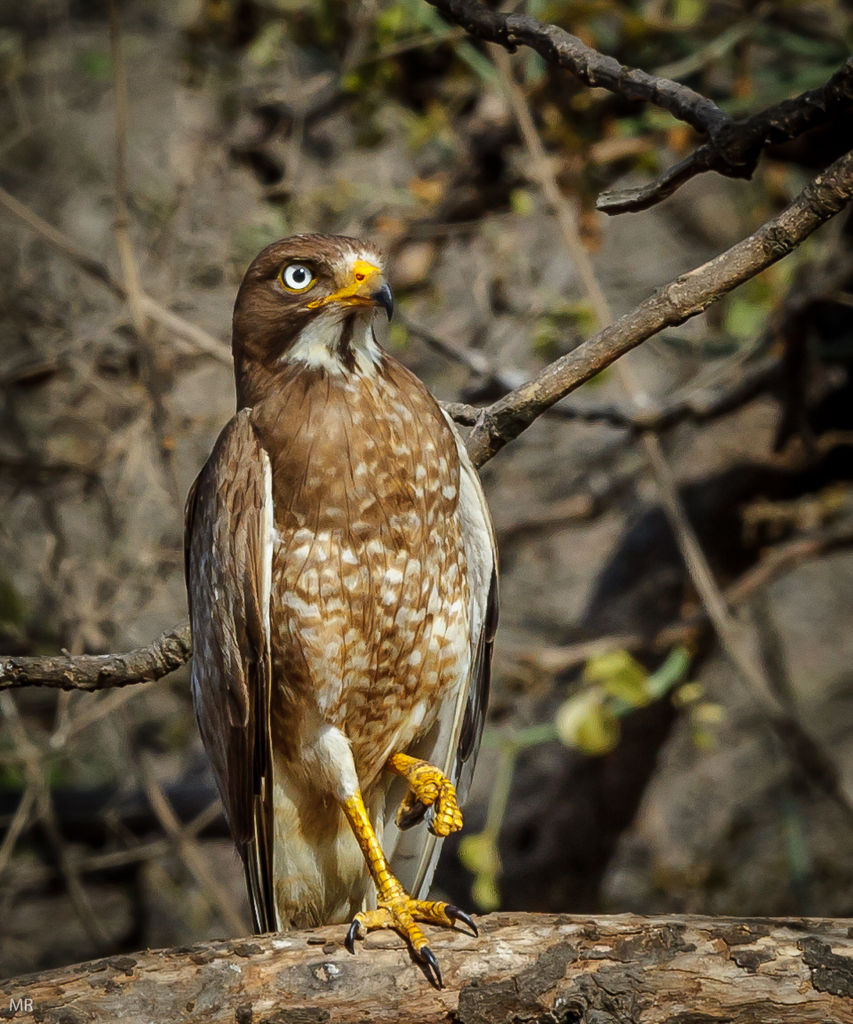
(303, 609)
(418, 712)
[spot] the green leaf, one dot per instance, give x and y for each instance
(398, 337)
(267, 46)
(13, 610)
(585, 722)
(620, 676)
(522, 201)
(687, 12)
(479, 854)
(745, 318)
(480, 65)
(687, 694)
(708, 712)
(485, 892)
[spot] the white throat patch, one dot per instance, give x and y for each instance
(318, 345)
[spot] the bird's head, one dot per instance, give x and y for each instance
(312, 299)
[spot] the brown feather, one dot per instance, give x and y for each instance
(231, 661)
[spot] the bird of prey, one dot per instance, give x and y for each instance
(341, 573)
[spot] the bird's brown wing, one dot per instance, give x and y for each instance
(481, 556)
(227, 551)
(454, 741)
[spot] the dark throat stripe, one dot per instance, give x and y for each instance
(345, 352)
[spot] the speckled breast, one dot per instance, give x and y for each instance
(369, 586)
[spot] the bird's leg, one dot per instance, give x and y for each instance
(395, 907)
(430, 787)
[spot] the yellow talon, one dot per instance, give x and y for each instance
(430, 787)
(401, 915)
(395, 908)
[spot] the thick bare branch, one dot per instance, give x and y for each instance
(739, 640)
(522, 967)
(694, 405)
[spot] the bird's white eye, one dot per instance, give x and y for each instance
(296, 277)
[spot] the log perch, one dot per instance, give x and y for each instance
(535, 968)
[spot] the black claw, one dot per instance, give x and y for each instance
(455, 914)
(408, 815)
(430, 966)
(352, 935)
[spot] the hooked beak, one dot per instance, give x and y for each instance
(365, 287)
(383, 297)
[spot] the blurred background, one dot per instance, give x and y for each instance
(626, 765)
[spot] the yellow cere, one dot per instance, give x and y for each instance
(357, 290)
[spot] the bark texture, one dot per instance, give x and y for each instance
(558, 969)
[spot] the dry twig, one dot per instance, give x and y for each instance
(34, 767)
(188, 848)
(782, 558)
(561, 49)
(197, 338)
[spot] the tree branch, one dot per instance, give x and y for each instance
(696, 404)
(100, 671)
(561, 48)
(736, 148)
(673, 304)
(733, 147)
(660, 970)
